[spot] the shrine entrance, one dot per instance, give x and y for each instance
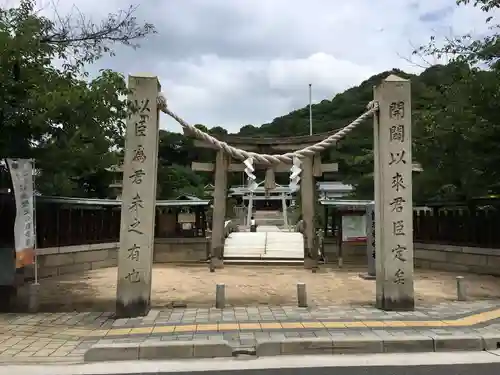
(259, 200)
(392, 175)
(268, 190)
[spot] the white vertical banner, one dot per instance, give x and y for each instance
(21, 172)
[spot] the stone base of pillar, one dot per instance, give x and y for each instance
(309, 263)
(367, 276)
(217, 263)
(216, 258)
(132, 309)
(392, 304)
(33, 297)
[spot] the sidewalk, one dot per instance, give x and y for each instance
(67, 336)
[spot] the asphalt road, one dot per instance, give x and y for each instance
(456, 363)
(467, 369)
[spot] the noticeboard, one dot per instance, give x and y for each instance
(353, 228)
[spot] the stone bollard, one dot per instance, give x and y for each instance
(461, 288)
(220, 296)
(301, 295)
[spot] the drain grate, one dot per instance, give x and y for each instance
(250, 351)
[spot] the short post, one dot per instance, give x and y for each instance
(250, 209)
(370, 243)
(316, 250)
(301, 295)
(340, 256)
(340, 259)
(220, 296)
(285, 213)
(461, 288)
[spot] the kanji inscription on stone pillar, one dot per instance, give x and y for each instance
(393, 195)
(135, 255)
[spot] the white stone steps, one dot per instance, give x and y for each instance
(256, 261)
(267, 245)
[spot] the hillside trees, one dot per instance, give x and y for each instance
(455, 132)
(462, 125)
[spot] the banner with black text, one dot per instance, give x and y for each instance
(21, 172)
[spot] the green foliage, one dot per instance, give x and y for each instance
(468, 48)
(74, 127)
(175, 180)
(68, 125)
(455, 132)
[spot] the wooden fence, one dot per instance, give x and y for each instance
(461, 228)
(63, 225)
(58, 226)
(82, 224)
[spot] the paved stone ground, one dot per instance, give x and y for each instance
(250, 286)
(56, 337)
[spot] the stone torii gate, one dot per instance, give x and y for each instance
(393, 190)
(312, 167)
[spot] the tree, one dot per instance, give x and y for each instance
(68, 125)
(450, 138)
(175, 180)
(476, 127)
(82, 41)
(218, 131)
(175, 148)
(468, 48)
(248, 130)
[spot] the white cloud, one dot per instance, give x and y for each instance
(232, 63)
(320, 69)
(246, 89)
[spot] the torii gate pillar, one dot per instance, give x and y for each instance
(308, 204)
(219, 211)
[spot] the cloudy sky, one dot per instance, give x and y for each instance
(235, 62)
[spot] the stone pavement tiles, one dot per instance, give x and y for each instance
(67, 336)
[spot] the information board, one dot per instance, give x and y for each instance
(353, 228)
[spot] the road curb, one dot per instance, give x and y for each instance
(158, 350)
(373, 345)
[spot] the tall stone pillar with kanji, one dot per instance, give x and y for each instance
(393, 195)
(135, 255)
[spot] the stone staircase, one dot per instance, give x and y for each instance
(269, 218)
(268, 245)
